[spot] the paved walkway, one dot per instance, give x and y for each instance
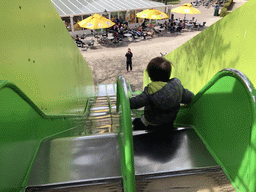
(237, 3)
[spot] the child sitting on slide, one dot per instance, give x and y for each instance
(161, 98)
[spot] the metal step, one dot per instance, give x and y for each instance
(101, 116)
(109, 89)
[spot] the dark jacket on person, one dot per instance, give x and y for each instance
(162, 101)
(129, 57)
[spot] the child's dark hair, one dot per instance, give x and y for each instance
(159, 69)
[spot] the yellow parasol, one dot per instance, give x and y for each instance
(152, 14)
(186, 9)
(96, 22)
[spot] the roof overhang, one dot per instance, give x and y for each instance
(71, 8)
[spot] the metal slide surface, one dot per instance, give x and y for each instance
(74, 162)
(177, 160)
(93, 162)
(179, 150)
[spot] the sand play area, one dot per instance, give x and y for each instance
(107, 63)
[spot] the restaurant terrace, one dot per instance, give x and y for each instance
(72, 11)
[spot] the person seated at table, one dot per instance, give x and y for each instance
(172, 27)
(78, 40)
(150, 32)
(121, 30)
(117, 37)
(117, 21)
(119, 27)
(143, 24)
(179, 27)
(151, 26)
(126, 23)
(140, 33)
(184, 24)
(165, 25)
(111, 28)
(116, 28)
(161, 25)
(156, 30)
(125, 27)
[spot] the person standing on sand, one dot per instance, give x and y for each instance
(129, 60)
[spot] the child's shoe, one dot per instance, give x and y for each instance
(137, 124)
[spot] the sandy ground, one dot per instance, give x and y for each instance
(107, 63)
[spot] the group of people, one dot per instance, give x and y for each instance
(145, 30)
(119, 28)
(174, 25)
(171, 25)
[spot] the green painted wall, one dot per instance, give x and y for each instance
(47, 89)
(223, 114)
(229, 43)
(22, 128)
(40, 57)
(224, 117)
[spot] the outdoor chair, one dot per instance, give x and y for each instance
(150, 34)
(195, 27)
(202, 26)
(157, 32)
(194, 3)
(178, 31)
(83, 36)
(102, 40)
(80, 44)
(89, 43)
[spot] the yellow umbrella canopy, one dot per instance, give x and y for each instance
(152, 14)
(186, 9)
(96, 22)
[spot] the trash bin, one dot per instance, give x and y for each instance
(172, 17)
(216, 11)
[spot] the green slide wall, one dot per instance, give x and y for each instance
(45, 85)
(40, 57)
(224, 116)
(229, 43)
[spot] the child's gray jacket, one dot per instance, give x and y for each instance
(163, 105)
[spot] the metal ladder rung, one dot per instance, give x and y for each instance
(99, 117)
